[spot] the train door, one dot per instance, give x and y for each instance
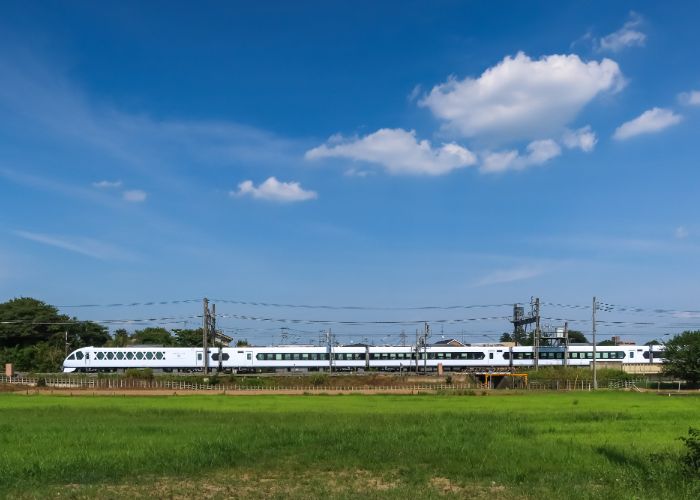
(199, 358)
(246, 358)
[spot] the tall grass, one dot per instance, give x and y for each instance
(568, 445)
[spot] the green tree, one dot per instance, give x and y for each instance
(33, 334)
(152, 336)
(120, 338)
(577, 337)
(682, 355)
(188, 338)
(242, 343)
(606, 342)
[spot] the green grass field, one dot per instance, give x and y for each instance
(554, 445)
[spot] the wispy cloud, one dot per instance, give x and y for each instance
(509, 275)
(134, 196)
(107, 184)
(651, 121)
(627, 36)
(84, 246)
(274, 190)
(691, 98)
(681, 232)
(35, 95)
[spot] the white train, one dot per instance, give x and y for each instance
(312, 358)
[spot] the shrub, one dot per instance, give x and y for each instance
(319, 379)
(140, 373)
(691, 459)
(448, 379)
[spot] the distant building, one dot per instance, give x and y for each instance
(449, 343)
(618, 341)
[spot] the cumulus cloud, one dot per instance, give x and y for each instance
(649, 122)
(537, 153)
(627, 36)
(522, 98)
(398, 151)
(274, 190)
(691, 98)
(134, 196)
(584, 139)
(107, 184)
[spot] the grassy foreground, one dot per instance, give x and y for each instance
(572, 445)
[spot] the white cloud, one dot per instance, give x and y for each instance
(134, 196)
(509, 275)
(627, 36)
(274, 190)
(84, 246)
(398, 151)
(584, 139)
(691, 98)
(522, 98)
(651, 121)
(681, 232)
(107, 184)
(538, 152)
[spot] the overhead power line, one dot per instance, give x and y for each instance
(358, 308)
(134, 304)
(353, 322)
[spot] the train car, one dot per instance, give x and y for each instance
(387, 358)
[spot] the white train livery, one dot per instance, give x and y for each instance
(350, 358)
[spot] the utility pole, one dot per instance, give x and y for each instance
(566, 343)
(205, 334)
(403, 338)
(330, 350)
(595, 371)
(426, 333)
(536, 342)
(66, 343)
(416, 351)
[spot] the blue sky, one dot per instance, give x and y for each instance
(393, 154)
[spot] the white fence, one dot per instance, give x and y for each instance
(176, 385)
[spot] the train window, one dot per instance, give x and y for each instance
(278, 357)
(490, 355)
(631, 354)
(120, 355)
(225, 356)
(139, 355)
(87, 355)
(149, 355)
(249, 356)
(129, 355)
(100, 355)
(79, 355)
(199, 356)
(260, 357)
(72, 356)
(110, 356)
(506, 355)
(215, 356)
(159, 355)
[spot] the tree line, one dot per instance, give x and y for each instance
(35, 336)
